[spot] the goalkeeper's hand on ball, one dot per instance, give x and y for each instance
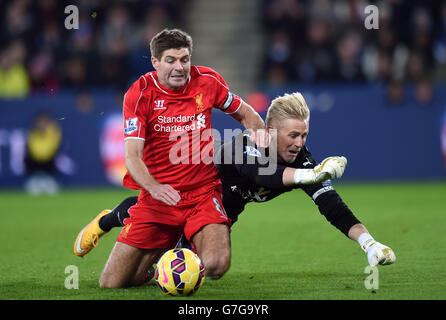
(329, 168)
(377, 253)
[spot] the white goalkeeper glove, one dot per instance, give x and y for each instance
(377, 253)
(329, 168)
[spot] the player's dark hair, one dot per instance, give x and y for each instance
(169, 39)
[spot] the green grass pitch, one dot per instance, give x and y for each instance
(283, 249)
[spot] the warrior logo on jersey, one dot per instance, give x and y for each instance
(199, 101)
(159, 105)
(131, 125)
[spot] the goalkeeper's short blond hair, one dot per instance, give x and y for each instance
(288, 106)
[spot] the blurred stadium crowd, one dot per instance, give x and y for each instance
(307, 42)
(38, 54)
(321, 41)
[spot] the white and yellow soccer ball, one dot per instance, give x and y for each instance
(179, 272)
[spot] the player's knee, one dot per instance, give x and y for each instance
(105, 283)
(110, 282)
(216, 266)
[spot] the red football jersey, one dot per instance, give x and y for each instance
(176, 126)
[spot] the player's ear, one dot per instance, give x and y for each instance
(155, 62)
(272, 132)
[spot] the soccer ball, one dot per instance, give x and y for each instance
(179, 272)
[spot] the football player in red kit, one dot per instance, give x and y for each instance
(167, 111)
(242, 181)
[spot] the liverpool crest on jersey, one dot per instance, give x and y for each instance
(199, 102)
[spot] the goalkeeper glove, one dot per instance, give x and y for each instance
(329, 168)
(377, 253)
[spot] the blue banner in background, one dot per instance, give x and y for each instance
(443, 139)
(381, 141)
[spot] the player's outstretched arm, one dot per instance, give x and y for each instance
(377, 253)
(248, 117)
(340, 216)
(329, 168)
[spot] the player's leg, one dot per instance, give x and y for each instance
(127, 266)
(208, 229)
(184, 243)
(214, 249)
(89, 236)
(138, 246)
(117, 216)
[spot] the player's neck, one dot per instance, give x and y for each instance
(165, 86)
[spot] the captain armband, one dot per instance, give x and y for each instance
(228, 101)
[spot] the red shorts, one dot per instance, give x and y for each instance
(155, 225)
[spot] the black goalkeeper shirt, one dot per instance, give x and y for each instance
(240, 164)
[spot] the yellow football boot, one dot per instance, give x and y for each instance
(88, 238)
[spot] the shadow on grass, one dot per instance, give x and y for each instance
(233, 286)
(87, 290)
